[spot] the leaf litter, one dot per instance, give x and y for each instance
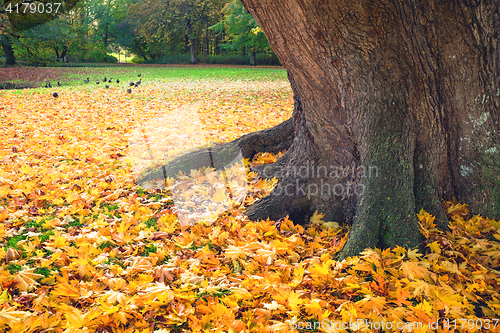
(84, 249)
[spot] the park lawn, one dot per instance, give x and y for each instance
(85, 249)
(73, 76)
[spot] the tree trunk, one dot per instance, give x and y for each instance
(6, 41)
(396, 107)
(192, 50)
(106, 35)
(252, 57)
(192, 45)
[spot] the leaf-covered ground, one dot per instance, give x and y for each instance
(84, 249)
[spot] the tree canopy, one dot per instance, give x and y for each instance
(154, 31)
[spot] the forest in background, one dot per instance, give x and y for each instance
(162, 32)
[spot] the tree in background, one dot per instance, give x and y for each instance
(176, 22)
(16, 20)
(6, 36)
(39, 44)
(241, 31)
(95, 24)
(88, 30)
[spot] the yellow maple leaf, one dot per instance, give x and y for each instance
(26, 279)
(114, 297)
(314, 308)
(4, 214)
(235, 252)
(60, 242)
(413, 270)
(298, 275)
(5, 297)
(74, 318)
(317, 218)
(220, 195)
(294, 301)
(435, 247)
(121, 316)
(320, 271)
(420, 287)
(10, 314)
(273, 306)
(159, 290)
(139, 264)
(62, 288)
(82, 265)
(413, 254)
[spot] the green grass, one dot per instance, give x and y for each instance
(74, 76)
(14, 268)
(12, 241)
(129, 73)
(149, 249)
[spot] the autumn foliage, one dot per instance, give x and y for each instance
(84, 249)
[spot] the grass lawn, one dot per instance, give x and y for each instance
(38, 76)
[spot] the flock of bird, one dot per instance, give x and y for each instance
(105, 80)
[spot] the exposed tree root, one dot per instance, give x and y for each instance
(273, 140)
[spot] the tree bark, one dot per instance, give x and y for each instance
(396, 107)
(252, 57)
(192, 45)
(6, 41)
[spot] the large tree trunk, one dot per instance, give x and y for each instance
(396, 107)
(6, 42)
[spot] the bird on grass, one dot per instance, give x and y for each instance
(104, 80)
(48, 85)
(110, 81)
(59, 83)
(139, 75)
(117, 81)
(97, 82)
(131, 84)
(107, 86)
(55, 95)
(86, 81)
(129, 91)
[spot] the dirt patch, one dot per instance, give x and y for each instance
(27, 77)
